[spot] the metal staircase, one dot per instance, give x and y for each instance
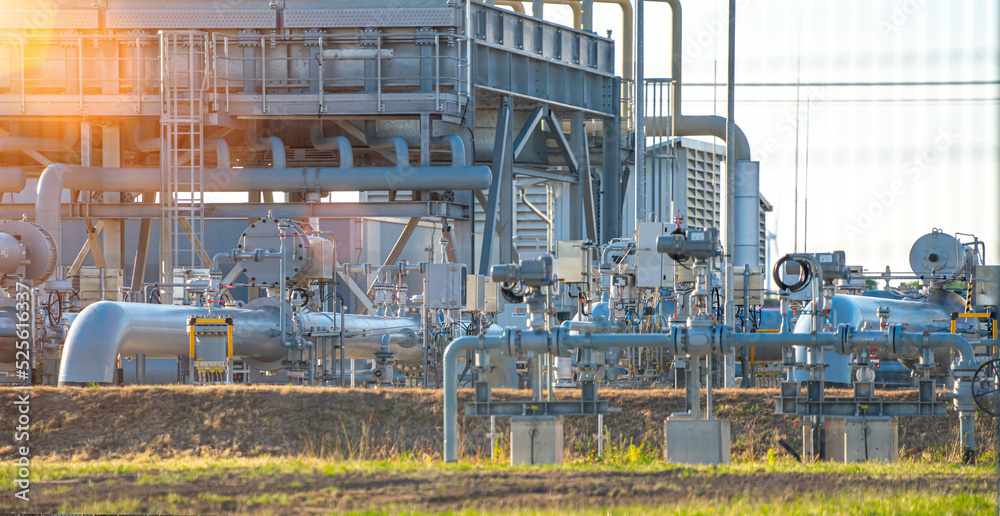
(183, 85)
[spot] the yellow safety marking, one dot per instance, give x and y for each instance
(762, 330)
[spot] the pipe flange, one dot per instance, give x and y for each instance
(40, 246)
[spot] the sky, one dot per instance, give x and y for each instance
(878, 165)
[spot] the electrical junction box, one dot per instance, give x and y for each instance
(99, 284)
(322, 259)
(475, 294)
(834, 265)
(653, 269)
(755, 282)
(573, 261)
(445, 286)
(494, 301)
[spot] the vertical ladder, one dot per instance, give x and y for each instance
(183, 84)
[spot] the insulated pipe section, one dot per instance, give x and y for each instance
(363, 334)
(747, 247)
(105, 329)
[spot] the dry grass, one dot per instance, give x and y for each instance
(225, 422)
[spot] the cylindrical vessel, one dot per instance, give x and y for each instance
(862, 312)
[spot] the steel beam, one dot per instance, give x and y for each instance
(611, 173)
(81, 257)
(555, 129)
(95, 246)
(502, 170)
(141, 252)
(356, 289)
(528, 129)
(581, 148)
(404, 237)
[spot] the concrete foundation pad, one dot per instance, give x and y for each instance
(536, 440)
(862, 439)
(698, 441)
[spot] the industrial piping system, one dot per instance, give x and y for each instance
(106, 329)
(701, 341)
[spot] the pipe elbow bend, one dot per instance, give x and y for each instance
(93, 343)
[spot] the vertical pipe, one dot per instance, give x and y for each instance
(457, 348)
(423, 332)
(640, 115)
(587, 15)
(537, 8)
(730, 166)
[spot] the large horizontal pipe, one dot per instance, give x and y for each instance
(68, 140)
(322, 210)
(106, 329)
(56, 177)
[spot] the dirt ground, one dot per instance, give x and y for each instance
(177, 421)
